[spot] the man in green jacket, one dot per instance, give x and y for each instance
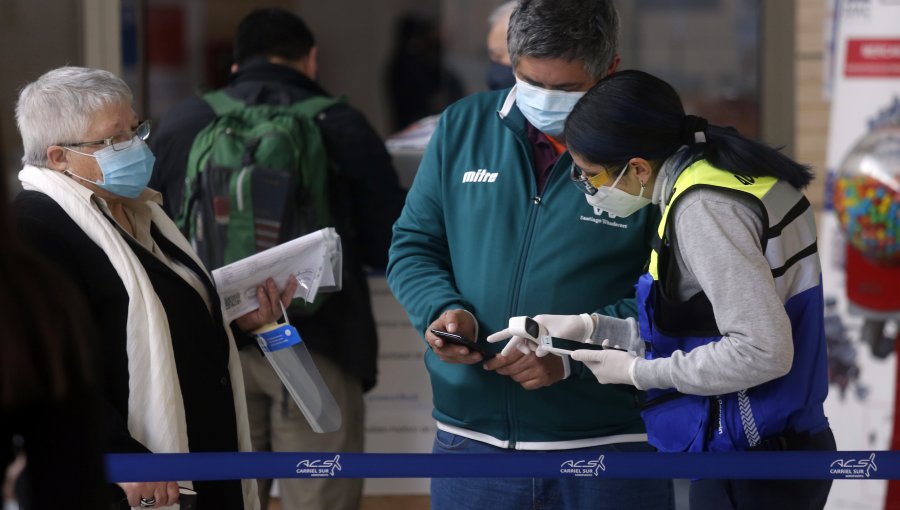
(492, 228)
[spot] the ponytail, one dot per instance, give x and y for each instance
(634, 114)
(730, 151)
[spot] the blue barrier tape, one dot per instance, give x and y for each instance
(862, 465)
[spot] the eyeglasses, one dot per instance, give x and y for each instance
(120, 141)
(589, 184)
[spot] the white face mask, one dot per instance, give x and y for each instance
(616, 202)
(545, 109)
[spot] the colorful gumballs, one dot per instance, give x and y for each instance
(867, 196)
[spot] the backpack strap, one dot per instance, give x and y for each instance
(222, 103)
(314, 105)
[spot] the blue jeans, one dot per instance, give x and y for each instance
(544, 493)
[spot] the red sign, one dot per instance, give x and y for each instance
(873, 58)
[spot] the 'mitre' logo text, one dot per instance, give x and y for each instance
(480, 175)
(318, 468)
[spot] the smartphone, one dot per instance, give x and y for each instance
(563, 346)
(557, 345)
(187, 499)
(455, 339)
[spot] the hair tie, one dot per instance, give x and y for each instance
(693, 130)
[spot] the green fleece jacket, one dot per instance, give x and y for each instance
(475, 234)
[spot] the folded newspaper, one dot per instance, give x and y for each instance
(314, 260)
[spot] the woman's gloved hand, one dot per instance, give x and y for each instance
(609, 366)
(571, 327)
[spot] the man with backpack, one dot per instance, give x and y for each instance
(242, 169)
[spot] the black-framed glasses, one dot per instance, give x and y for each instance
(119, 141)
(589, 184)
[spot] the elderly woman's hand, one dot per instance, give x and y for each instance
(269, 308)
(150, 494)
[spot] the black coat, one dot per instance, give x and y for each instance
(366, 199)
(199, 341)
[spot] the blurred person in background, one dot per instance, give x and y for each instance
(275, 63)
(418, 82)
(500, 72)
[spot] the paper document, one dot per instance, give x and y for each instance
(415, 137)
(314, 260)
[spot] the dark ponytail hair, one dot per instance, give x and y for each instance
(634, 114)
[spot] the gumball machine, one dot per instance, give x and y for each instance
(867, 204)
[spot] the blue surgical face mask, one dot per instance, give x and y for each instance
(545, 109)
(126, 172)
(500, 76)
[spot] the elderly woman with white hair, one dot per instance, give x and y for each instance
(170, 370)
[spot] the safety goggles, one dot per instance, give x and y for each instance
(589, 184)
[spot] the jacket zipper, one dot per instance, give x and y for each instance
(537, 199)
(514, 304)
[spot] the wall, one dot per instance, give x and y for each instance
(811, 111)
(355, 42)
(46, 29)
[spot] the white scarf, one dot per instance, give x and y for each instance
(155, 406)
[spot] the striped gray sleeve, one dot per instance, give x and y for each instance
(621, 332)
(717, 250)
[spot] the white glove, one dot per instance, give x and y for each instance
(609, 366)
(571, 327)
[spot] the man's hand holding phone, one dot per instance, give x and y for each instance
(454, 339)
(521, 359)
(457, 322)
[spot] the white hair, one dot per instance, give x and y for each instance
(503, 11)
(59, 106)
